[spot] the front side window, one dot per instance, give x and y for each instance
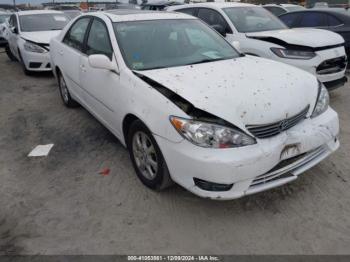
(43, 22)
(253, 19)
(189, 11)
(290, 19)
(75, 36)
(155, 44)
(212, 17)
(98, 41)
(333, 21)
(313, 19)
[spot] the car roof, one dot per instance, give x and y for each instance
(124, 15)
(335, 11)
(38, 12)
(212, 4)
(161, 3)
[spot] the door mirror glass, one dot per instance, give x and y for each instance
(101, 62)
(220, 29)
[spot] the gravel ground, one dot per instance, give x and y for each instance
(60, 204)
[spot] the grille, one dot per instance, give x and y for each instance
(269, 130)
(332, 66)
(285, 168)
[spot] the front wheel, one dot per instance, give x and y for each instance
(9, 53)
(147, 158)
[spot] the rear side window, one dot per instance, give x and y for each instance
(212, 17)
(333, 21)
(75, 36)
(313, 19)
(189, 11)
(98, 41)
(290, 19)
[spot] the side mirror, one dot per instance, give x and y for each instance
(102, 62)
(220, 29)
(236, 45)
(14, 30)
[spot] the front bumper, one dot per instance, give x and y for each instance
(246, 166)
(39, 62)
(312, 65)
(336, 83)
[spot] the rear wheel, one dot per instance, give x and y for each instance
(64, 92)
(147, 158)
(9, 53)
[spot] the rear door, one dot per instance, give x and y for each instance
(70, 52)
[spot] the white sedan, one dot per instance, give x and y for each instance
(3, 21)
(29, 36)
(189, 107)
(260, 33)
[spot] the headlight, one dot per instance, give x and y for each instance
(31, 47)
(322, 101)
(293, 54)
(210, 135)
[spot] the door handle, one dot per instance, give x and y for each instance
(60, 52)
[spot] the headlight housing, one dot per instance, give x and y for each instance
(322, 101)
(210, 135)
(293, 54)
(31, 47)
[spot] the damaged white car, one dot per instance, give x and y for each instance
(260, 33)
(29, 36)
(189, 107)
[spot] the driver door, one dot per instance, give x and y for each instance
(101, 86)
(13, 36)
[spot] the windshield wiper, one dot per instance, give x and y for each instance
(206, 60)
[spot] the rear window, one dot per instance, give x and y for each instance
(290, 19)
(43, 22)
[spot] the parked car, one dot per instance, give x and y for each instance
(279, 9)
(321, 5)
(3, 18)
(29, 37)
(260, 33)
(335, 20)
(189, 107)
(72, 13)
(158, 6)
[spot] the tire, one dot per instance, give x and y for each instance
(10, 54)
(146, 157)
(25, 70)
(64, 92)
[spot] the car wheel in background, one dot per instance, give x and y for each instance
(147, 158)
(9, 53)
(65, 95)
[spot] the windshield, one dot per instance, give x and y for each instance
(253, 19)
(3, 18)
(43, 22)
(166, 43)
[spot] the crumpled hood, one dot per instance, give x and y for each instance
(302, 36)
(42, 37)
(242, 91)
